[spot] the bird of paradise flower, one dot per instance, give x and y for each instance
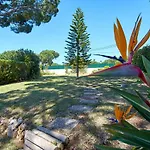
(122, 114)
(126, 68)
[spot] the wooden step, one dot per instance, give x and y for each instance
(35, 142)
(60, 137)
(49, 138)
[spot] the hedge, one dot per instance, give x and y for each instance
(19, 65)
(12, 71)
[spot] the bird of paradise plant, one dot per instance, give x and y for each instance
(126, 68)
(122, 130)
(122, 114)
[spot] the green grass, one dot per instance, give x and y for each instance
(40, 101)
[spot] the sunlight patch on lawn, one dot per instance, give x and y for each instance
(15, 110)
(13, 86)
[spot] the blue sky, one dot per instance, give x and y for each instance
(99, 17)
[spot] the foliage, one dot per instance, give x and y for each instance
(47, 56)
(137, 58)
(109, 61)
(10, 55)
(105, 67)
(124, 131)
(26, 56)
(78, 44)
(22, 15)
(81, 63)
(93, 61)
(12, 71)
(55, 64)
(32, 62)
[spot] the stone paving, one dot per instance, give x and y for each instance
(95, 101)
(63, 123)
(90, 96)
(90, 90)
(80, 108)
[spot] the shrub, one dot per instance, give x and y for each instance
(137, 58)
(11, 71)
(28, 57)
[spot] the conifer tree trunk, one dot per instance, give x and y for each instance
(77, 66)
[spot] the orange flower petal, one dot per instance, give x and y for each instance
(116, 35)
(137, 32)
(130, 116)
(134, 35)
(123, 43)
(120, 114)
(145, 38)
(128, 110)
(116, 111)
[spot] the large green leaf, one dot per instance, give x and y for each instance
(146, 63)
(145, 112)
(137, 103)
(132, 96)
(127, 124)
(118, 135)
(142, 98)
(123, 138)
(140, 137)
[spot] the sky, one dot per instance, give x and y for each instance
(100, 15)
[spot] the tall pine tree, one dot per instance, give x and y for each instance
(78, 44)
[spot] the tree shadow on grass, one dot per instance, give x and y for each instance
(39, 101)
(49, 97)
(37, 97)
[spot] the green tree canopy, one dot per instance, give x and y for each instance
(22, 15)
(24, 55)
(137, 58)
(93, 61)
(55, 64)
(47, 56)
(78, 44)
(110, 61)
(10, 55)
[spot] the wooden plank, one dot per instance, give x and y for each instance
(56, 135)
(28, 145)
(42, 143)
(49, 138)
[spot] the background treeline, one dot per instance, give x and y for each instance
(24, 64)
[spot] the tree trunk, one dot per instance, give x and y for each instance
(77, 67)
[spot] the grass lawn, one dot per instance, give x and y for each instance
(40, 101)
